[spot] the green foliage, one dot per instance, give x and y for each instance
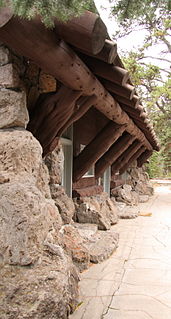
(129, 12)
(48, 9)
(156, 96)
(153, 81)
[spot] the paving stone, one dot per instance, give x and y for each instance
(137, 277)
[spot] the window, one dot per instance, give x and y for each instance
(90, 172)
(67, 145)
(105, 180)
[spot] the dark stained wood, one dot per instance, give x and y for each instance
(125, 90)
(114, 184)
(33, 40)
(87, 32)
(134, 113)
(143, 158)
(113, 153)
(87, 127)
(107, 54)
(131, 160)
(51, 146)
(97, 147)
(82, 106)
(84, 182)
(107, 71)
(134, 102)
(124, 158)
(148, 134)
(87, 191)
(50, 114)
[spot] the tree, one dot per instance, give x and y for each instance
(147, 70)
(48, 9)
(152, 15)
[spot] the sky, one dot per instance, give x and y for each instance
(134, 40)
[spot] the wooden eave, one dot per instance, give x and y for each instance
(88, 79)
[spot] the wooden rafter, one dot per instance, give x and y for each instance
(113, 153)
(131, 160)
(55, 57)
(96, 148)
(124, 158)
(143, 158)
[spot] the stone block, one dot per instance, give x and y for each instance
(21, 159)
(55, 164)
(9, 77)
(47, 83)
(143, 198)
(72, 242)
(63, 202)
(36, 274)
(99, 210)
(86, 231)
(13, 111)
(5, 56)
(102, 245)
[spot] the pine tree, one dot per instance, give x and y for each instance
(48, 9)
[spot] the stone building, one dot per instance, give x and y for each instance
(72, 133)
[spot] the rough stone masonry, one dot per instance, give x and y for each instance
(46, 238)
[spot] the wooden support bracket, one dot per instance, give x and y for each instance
(143, 158)
(83, 104)
(97, 147)
(113, 153)
(131, 160)
(124, 158)
(50, 114)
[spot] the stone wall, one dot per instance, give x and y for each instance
(136, 186)
(38, 278)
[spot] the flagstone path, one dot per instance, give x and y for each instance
(135, 282)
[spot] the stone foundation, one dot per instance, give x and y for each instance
(38, 278)
(136, 188)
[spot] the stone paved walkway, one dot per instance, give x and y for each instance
(135, 282)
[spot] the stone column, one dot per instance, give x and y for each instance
(38, 280)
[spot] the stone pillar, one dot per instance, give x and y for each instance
(38, 280)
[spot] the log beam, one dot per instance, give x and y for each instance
(113, 153)
(97, 147)
(143, 158)
(86, 32)
(106, 71)
(127, 91)
(131, 160)
(55, 57)
(107, 54)
(50, 114)
(134, 102)
(124, 158)
(83, 104)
